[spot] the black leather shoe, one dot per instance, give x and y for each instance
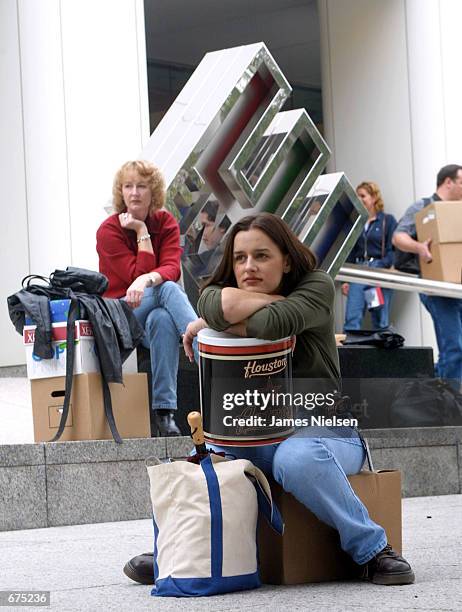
(141, 568)
(164, 423)
(387, 567)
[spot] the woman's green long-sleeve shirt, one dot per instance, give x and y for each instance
(307, 312)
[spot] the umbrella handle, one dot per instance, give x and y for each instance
(197, 431)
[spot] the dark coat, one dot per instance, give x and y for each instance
(115, 327)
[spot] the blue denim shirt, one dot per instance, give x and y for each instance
(368, 248)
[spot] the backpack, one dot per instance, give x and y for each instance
(426, 403)
(408, 262)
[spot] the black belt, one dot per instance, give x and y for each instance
(359, 260)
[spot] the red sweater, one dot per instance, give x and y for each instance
(120, 260)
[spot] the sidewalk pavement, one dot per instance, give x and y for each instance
(82, 567)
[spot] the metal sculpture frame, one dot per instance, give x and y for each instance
(226, 150)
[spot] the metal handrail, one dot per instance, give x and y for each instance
(392, 279)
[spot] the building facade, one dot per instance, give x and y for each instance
(80, 95)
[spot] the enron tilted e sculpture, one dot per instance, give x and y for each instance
(227, 150)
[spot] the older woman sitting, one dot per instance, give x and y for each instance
(139, 252)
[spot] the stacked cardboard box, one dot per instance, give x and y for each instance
(85, 357)
(442, 222)
(86, 420)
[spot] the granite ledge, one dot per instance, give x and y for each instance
(413, 436)
(14, 455)
(96, 451)
(137, 449)
(377, 438)
(179, 447)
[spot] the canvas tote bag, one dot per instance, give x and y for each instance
(205, 522)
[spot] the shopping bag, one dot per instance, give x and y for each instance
(374, 298)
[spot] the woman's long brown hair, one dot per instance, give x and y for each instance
(301, 259)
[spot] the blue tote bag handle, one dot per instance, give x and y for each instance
(265, 501)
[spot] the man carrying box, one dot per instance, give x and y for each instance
(446, 312)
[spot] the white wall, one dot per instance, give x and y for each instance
(76, 108)
(14, 244)
(435, 91)
(391, 92)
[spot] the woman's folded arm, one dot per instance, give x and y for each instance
(210, 309)
(308, 306)
(238, 304)
(223, 307)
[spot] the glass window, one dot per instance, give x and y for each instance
(179, 34)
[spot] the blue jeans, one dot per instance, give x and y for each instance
(164, 313)
(356, 308)
(447, 320)
(314, 470)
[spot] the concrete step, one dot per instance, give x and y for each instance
(69, 483)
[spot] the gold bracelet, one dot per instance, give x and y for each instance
(143, 237)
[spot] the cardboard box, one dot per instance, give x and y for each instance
(442, 222)
(309, 550)
(85, 358)
(86, 419)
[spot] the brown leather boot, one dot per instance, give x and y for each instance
(387, 567)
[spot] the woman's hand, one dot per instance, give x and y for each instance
(135, 292)
(191, 332)
(345, 288)
(127, 221)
